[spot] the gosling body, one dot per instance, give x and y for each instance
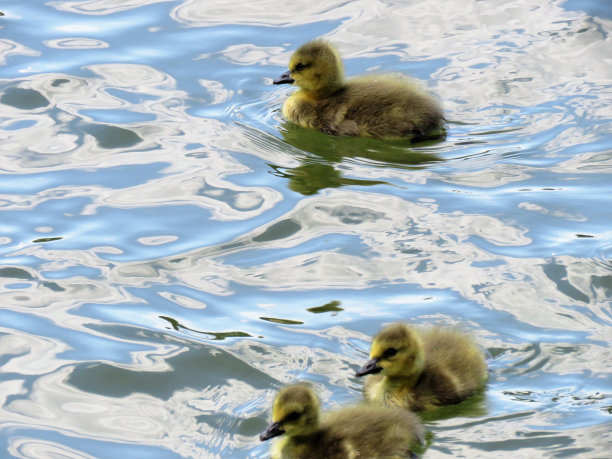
(382, 106)
(423, 369)
(364, 431)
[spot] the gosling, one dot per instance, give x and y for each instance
(367, 431)
(381, 106)
(423, 369)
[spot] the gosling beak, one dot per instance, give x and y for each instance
(370, 368)
(284, 78)
(273, 430)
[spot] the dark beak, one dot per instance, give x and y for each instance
(284, 78)
(273, 430)
(370, 368)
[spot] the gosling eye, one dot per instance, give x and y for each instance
(389, 352)
(293, 416)
(299, 67)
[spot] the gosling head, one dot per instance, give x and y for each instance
(397, 351)
(315, 67)
(295, 412)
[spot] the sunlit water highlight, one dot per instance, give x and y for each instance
(172, 252)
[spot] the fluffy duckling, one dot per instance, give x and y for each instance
(368, 431)
(384, 106)
(423, 369)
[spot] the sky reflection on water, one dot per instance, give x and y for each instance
(172, 252)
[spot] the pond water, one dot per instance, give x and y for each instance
(172, 252)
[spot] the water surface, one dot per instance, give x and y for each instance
(172, 252)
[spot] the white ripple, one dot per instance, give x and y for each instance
(35, 448)
(76, 43)
(100, 7)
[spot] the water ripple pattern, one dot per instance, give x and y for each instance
(172, 252)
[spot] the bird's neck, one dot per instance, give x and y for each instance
(323, 93)
(408, 379)
(308, 437)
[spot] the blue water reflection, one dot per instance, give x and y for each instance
(172, 251)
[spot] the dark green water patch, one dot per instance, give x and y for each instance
(46, 239)
(24, 99)
(198, 367)
(332, 306)
(281, 321)
(279, 230)
(214, 335)
(112, 136)
(15, 273)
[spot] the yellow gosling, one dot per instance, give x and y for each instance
(423, 369)
(363, 431)
(383, 106)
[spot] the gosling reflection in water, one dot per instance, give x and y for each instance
(322, 151)
(309, 179)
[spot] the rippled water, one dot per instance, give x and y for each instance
(171, 252)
